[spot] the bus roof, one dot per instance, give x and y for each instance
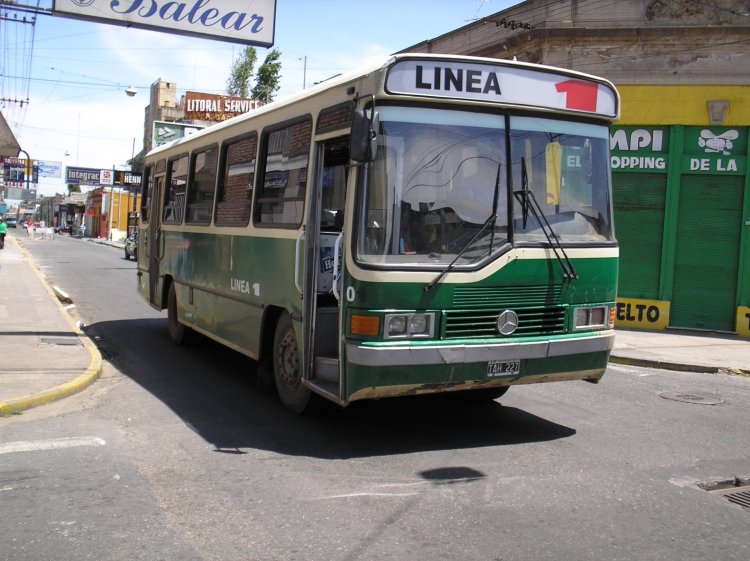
(464, 78)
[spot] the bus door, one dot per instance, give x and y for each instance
(153, 250)
(324, 236)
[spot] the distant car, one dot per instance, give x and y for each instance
(11, 222)
(131, 247)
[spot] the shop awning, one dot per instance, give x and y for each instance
(9, 146)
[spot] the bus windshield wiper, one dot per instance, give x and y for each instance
(491, 220)
(528, 202)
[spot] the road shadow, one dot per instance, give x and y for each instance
(214, 391)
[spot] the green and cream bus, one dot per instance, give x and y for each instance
(429, 224)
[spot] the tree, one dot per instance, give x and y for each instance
(136, 162)
(73, 188)
(269, 76)
(243, 70)
(243, 73)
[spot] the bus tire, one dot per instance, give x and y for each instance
(287, 368)
(178, 333)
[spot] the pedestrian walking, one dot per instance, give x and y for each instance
(3, 231)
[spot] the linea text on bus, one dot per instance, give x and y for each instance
(450, 79)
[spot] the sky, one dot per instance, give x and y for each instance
(79, 114)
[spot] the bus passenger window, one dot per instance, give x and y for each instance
(236, 182)
(174, 202)
(201, 187)
(281, 192)
(147, 190)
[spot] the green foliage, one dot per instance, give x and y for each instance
(269, 77)
(243, 70)
(136, 162)
(266, 80)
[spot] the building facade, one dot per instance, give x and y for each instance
(679, 152)
(109, 211)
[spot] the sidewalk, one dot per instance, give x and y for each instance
(44, 356)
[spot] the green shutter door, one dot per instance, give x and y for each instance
(639, 226)
(707, 254)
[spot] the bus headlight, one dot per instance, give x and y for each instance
(592, 317)
(396, 325)
(404, 326)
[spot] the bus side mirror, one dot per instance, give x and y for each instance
(363, 141)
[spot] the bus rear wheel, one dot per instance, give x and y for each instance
(178, 333)
(287, 368)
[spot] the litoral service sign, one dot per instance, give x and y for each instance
(250, 22)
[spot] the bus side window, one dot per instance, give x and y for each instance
(280, 199)
(146, 193)
(235, 192)
(174, 201)
(201, 187)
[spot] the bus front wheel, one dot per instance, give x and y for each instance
(287, 368)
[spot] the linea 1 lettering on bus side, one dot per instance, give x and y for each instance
(457, 80)
(240, 285)
(198, 13)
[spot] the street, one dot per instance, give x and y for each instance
(177, 454)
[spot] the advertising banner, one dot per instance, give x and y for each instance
(165, 131)
(50, 169)
(639, 149)
(715, 150)
(19, 173)
(106, 177)
(82, 176)
(212, 107)
(250, 22)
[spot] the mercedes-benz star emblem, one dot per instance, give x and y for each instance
(507, 322)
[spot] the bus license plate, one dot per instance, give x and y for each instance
(496, 368)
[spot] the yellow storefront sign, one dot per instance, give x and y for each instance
(642, 314)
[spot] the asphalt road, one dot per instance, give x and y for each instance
(176, 454)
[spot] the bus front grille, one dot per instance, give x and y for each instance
(504, 297)
(537, 321)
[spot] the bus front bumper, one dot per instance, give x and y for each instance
(380, 370)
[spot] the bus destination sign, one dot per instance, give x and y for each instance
(513, 84)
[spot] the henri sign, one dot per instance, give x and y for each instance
(251, 22)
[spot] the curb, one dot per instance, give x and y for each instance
(676, 366)
(58, 392)
(80, 382)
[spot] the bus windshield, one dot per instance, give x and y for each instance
(565, 168)
(438, 189)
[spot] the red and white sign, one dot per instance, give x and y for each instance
(511, 83)
(106, 177)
